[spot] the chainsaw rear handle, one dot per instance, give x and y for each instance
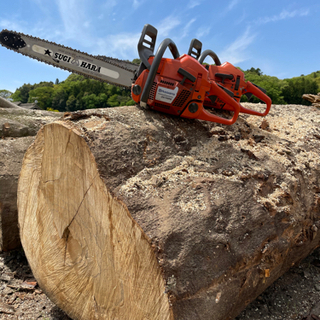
(166, 43)
(251, 88)
(210, 53)
(195, 48)
(145, 46)
(207, 116)
(225, 97)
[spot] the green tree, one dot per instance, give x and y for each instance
(59, 98)
(5, 94)
(256, 71)
(90, 101)
(103, 100)
(22, 93)
(113, 101)
(43, 96)
(296, 87)
(136, 61)
(272, 85)
(71, 104)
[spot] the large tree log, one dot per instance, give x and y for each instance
(132, 214)
(18, 128)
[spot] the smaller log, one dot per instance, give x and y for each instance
(313, 98)
(4, 103)
(18, 128)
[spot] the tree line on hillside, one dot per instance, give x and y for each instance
(287, 91)
(75, 93)
(78, 92)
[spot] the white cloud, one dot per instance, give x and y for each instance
(137, 3)
(167, 24)
(122, 46)
(236, 51)
(193, 3)
(202, 32)
(10, 25)
(187, 27)
(283, 16)
(73, 16)
(232, 4)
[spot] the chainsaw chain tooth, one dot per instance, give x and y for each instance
(126, 65)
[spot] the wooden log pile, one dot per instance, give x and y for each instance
(126, 213)
(313, 98)
(18, 128)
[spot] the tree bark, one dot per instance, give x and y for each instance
(18, 128)
(126, 213)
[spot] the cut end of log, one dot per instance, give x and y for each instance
(91, 257)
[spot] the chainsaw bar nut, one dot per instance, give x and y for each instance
(136, 89)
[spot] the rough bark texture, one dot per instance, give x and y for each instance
(210, 215)
(18, 128)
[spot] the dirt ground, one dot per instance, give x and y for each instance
(294, 296)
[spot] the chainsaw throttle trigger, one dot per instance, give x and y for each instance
(197, 45)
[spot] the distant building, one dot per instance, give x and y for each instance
(30, 106)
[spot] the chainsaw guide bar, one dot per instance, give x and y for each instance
(106, 69)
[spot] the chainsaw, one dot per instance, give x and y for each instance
(180, 86)
(232, 80)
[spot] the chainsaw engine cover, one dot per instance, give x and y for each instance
(179, 87)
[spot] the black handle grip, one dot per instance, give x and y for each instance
(197, 45)
(145, 46)
(210, 53)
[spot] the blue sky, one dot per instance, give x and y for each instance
(281, 37)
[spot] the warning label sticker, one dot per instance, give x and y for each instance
(166, 95)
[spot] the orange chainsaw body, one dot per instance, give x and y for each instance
(233, 81)
(180, 88)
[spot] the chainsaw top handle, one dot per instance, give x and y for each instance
(210, 53)
(166, 43)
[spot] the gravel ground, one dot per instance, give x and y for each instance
(20, 296)
(294, 296)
